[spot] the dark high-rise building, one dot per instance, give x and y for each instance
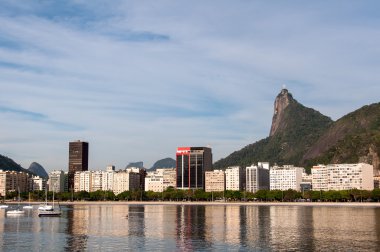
(78, 160)
(192, 163)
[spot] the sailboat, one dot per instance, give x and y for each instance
(50, 211)
(45, 206)
(16, 211)
(28, 206)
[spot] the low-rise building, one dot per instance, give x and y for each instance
(215, 181)
(154, 181)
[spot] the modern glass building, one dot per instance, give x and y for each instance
(78, 160)
(192, 163)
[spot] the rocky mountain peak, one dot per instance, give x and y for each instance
(283, 99)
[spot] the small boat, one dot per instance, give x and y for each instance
(42, 213)
(16, 211)
(46, 206)
(49, 210)
(28, 206)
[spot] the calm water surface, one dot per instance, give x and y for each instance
(188, 228)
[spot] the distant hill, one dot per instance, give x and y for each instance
(7, 164)
(136, 164)
(164, 163)
(37, 169)
(295, 128)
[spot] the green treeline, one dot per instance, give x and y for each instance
(172, 194)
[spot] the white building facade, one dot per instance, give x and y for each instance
(257, 177)
(57, 181)
(235, 178)
(36, 183)
(154, 181)
(343, 177)
(285, 177)
(125, 181)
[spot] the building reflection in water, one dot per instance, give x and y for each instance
(186, 227)
(290, 227)
(77, 228)
(357, 226)
(190, 228)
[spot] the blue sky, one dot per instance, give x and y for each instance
(137, 79)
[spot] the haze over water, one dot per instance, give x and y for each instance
(186, 227)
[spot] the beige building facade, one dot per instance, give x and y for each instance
(215, 181)
(13, 181)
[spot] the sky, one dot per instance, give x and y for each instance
(137, 79)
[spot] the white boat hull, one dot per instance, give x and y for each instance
(49, 213)
(15, 212)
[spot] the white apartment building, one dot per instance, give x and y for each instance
(170, 179)
(285, 177)
(160, 180)
(125, 181)
(37, 183)
(319, 178)
(96, 180)
(215, 181)
(154, 181)
(83, 181)
(343, 177)
(257, 177)
(107, 178)
(57, 179)
(235, 178)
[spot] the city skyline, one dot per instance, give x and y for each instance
(137, 80)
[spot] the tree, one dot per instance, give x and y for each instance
(376, 194)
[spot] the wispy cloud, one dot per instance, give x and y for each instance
(39, 117)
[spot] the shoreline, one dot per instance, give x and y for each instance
(208, 203)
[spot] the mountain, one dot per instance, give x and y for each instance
(37, 169)
(351, 139)
(7, 164)
(295, 128)
(164, 163)
(136, 164)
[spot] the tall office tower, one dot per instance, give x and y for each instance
(192, 163)
(78, 160)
